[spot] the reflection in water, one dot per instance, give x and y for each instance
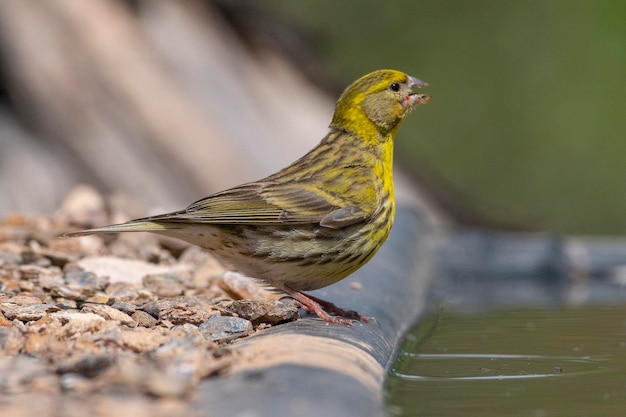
(452, 361)
(522, 362)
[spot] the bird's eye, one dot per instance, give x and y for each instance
(394, 87)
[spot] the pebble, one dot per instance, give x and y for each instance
(144, 319)
(223, 329)
(109, 313)
(75, 322)
(164, 285)
(142, 340)
(29, 312)
(51, 278)
(24, 300)
(85, 281)
(88, 366)
(125, 292)
(58, 258)
(11, 341)
(37, 273)
(261, 311)
(124, 307)
(191, 315)
(4, 322)
(159, 308)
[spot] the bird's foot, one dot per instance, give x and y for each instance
(323, 309)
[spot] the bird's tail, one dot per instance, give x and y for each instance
(132, 226)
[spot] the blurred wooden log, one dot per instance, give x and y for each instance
(164, 103)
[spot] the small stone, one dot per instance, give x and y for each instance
(158, 308)
(26, 312)
(142, 340)
(164, 285)
(51, 279)
(140, 246)
(3, 321)
(172, 245)
(66, 292)
(144, 319)
(58, 258)
(241, 287)
(85, 281)
(90, 245)
(109, 313)
(195, 256)
(99, 298)
(88, 366)
(224, 329)
(82, 286)
(206, 269)
(46, 325)
(261, 311)
(144, 296)
(123, 291)
(41, 340)
(31, 257)
(36, 273)
(182, 315)
(153, 308)
(42, 261)
(27, 286)
(173, 379)
(66, 304)
(75, 322)
(24, 300)
(11, 342)
(124, 307)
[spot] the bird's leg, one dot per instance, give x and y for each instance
(338, 311)
(322, 308)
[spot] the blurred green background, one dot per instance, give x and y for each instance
(528, 116)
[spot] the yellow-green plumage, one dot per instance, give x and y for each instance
(321, 218)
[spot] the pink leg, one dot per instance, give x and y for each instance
(322, 308)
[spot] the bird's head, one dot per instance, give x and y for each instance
(377, 102)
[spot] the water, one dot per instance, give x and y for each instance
(536, 362)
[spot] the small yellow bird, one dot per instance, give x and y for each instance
(321, 218)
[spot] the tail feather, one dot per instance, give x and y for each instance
(132, 226)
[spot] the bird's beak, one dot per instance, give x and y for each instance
(414, 99)
(416, 83)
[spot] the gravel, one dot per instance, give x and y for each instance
(116, 319)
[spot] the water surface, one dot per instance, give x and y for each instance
(535, 362)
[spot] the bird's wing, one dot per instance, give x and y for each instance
(238, 205)
(272, 203)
